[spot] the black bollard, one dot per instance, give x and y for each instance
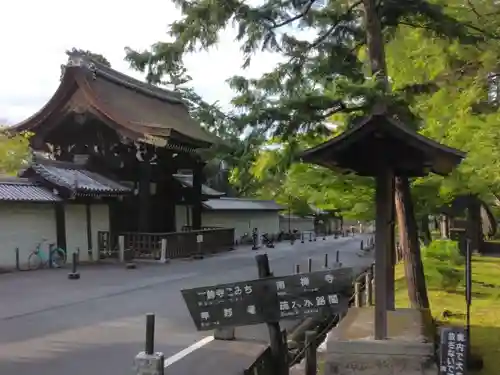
(309, 264)
(18, 265)
(337, 260)
(326, 261)
(74, 274)
(310, 236)
(297, 268)
(301, 237)
(361, 245)
(149, 347)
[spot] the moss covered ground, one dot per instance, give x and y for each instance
(485, 309)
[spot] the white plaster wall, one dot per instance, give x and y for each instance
(99, 222)
(301, 224)
(181, 217)
(76, 231)
(23, 225)
(243, 221)
(76, 228)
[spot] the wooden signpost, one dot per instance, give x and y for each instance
(269, 299)
(453, 351)
(228, 305)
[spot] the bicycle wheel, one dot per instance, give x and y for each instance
(58, 257)
(34, 261)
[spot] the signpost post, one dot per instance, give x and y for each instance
(277, 343)
(468, 295)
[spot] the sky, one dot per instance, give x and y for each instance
(35, 34)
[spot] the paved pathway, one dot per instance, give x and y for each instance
(95, 325)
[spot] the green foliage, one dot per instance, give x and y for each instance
(453, 99)
(445, 251)
(438, 54)
(443, 264)
(14, 152)
(235, 152)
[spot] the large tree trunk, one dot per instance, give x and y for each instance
(404, 210)
(408, 236)
(474, 224)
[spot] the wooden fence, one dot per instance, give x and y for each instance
(179, 244)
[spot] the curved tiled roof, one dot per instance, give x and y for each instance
(22, 190)
(139, 110)
(76, 178)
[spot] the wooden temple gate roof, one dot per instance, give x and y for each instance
(136, 110)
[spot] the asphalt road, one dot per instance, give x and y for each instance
(95, 325)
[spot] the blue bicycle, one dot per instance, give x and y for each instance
(38, 259)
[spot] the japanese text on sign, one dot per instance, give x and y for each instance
(228, 305)
(453, 351)
(310, 294)
(269, 299)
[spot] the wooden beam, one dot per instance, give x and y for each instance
(391, 259)
(384, 195)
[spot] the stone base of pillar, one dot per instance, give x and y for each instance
(409, 349)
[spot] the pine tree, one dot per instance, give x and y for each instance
(323, 73)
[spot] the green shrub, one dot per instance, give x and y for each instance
(444, 251)
(443, 265)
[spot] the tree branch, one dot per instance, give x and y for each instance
(302, 13)
(341, 107)
(470, 26)
(473, 8)
(321, 38)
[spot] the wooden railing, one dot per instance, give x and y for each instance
(263, 365)
(179, 244)
(362, 295)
